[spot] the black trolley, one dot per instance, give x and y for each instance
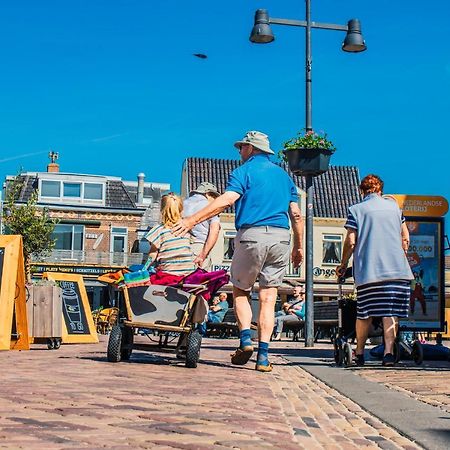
(346, 332)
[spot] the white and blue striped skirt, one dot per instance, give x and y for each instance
(383, 299)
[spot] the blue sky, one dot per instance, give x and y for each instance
(113, 86)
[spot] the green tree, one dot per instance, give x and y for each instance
(33, 223)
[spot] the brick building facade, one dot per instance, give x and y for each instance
(100, 220)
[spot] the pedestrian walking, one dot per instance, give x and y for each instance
(266, 198)
(378, 238)
(203, 236)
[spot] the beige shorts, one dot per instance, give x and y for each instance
(260, 252)
(196, 248)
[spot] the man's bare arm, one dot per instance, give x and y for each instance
(212, 209)
(297, 229)
(213, 234)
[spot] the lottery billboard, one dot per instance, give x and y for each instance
(426, 258)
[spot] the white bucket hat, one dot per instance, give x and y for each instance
(206, 188)
(258, 140)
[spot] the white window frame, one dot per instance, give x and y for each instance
(227, 234)
(118, 257)
(68, 199)
(72, 254)
(335, 238)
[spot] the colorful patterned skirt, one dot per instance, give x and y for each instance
(383, 299)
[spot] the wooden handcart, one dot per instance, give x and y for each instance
(167, 316)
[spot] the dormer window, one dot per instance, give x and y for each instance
(50, 188)
(93, 191)
(72, 191)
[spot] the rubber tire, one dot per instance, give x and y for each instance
(50, 344)
(57, 344)
(397, 351)
(348, 354)
(127, 339)
(338, 352)
(417, 353)
(114, 352)
(194, 341)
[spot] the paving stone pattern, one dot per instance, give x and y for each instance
(428, 386)
(73, 398)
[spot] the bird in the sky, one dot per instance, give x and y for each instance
(200, 55)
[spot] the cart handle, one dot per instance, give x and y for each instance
(348, 274)
(200, 287)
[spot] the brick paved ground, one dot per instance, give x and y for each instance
(427, 383)
(73, 398)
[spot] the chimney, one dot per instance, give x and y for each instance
(53, 166)
(140, 189)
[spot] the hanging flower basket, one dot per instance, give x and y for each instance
(308, 161)
(308, 154)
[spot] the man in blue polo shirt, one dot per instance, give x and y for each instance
(266, 198)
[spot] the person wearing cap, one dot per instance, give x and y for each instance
(204, 235)
(266, 198)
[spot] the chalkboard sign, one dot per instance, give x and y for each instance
(13, 314)
(74, 314)
(78, 324)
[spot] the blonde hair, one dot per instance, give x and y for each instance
(171, 209)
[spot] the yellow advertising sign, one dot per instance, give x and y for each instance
(421, 205)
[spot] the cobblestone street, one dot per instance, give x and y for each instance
(73, 398)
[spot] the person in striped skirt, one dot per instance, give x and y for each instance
(378, 239)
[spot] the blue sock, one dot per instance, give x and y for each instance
(263, 354)
(246, 338)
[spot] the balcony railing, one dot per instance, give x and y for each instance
(92, 258)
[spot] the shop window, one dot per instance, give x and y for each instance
(228, 245)
(331, 248)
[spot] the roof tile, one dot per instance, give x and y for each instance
(334, 191)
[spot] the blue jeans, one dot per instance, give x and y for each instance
(212, 318)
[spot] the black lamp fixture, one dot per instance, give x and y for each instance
(261, 31)
(354, 41)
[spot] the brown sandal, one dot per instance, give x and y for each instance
(242, 355)
(262, 368)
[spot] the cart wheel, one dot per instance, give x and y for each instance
(114, 352)
(50, 344)
(348, 354)
(57, 344)
(417, 352)
(194, 341)
(181, 346)
(127, 340)
(397, 351)
(338, 352)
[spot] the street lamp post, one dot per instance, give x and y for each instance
(353, 42)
